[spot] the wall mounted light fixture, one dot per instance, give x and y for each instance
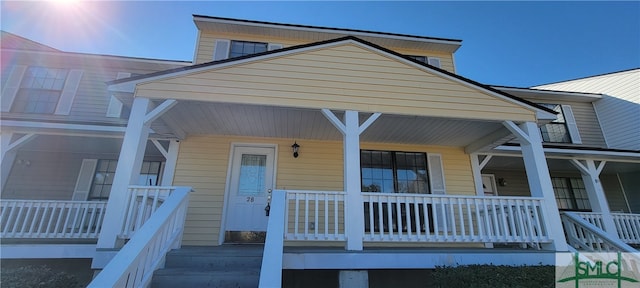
(295, 148)
(502, 182)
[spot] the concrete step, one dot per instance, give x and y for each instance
(184, 277)
(220, 266)
(226, 258)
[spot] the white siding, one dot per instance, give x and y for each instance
(618, 111)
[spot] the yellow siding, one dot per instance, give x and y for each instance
(341, 77)
(207, 39)
(203, 163)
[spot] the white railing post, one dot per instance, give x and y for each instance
(271, 271)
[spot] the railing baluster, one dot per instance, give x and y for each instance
(416, 214)
(297, 215)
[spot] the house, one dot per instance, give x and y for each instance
(353, 150)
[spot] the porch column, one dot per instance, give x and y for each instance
(354, 207)
(591, 178)
(127, 171)
(130, 160)
(476, 168)
(9, 149)
(171, 157)
(539, 180)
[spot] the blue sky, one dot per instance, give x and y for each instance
(504, 43)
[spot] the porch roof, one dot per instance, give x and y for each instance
(362, 76)
(280, 94)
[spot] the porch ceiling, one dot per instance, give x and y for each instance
(198, 118)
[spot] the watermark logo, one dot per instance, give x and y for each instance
(597, 270)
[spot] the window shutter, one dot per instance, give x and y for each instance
(85, 179)
(274, 46)
(436, 174)
(434, 61)
(115, 106)
(11, 87)
(572, 126)
(436, 181)
(221, 49)
(69, 92)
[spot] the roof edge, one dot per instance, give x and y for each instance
(330, 29)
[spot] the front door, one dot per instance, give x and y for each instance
(252, 171)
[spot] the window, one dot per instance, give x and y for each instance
(242, 48)
(106, 169)
(570, 193)
(433, 61)
(40, 90)
(394, 172)
(556, 131)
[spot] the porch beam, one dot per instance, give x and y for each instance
(490, 140)
(368, 122)
(127, 172)
(539, 179)
(158, 111)
(334, 120)
(597, 199)
(160, 148)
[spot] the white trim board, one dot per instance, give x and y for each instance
(47, 251)
(412, 259)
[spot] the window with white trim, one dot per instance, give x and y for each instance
(571, 193)
(40, 90)
(556, 131)
(433, 61)
(106, 170)
(242, 48)
(394, 172)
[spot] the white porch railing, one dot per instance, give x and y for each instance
(143, 201)
(627, 224)
(314, 215)
(453, 218)
(584, 235)
(50, 219)
(134, 264)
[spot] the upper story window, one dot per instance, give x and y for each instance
(433, 61)
(570, 193)
(556, 131)
(40, 90)
(394, 172)
(242, 48)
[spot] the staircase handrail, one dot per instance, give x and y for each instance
(271, 269)
(135, 263)
(601, 234)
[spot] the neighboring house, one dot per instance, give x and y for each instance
(347, 140)
(61, 137)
